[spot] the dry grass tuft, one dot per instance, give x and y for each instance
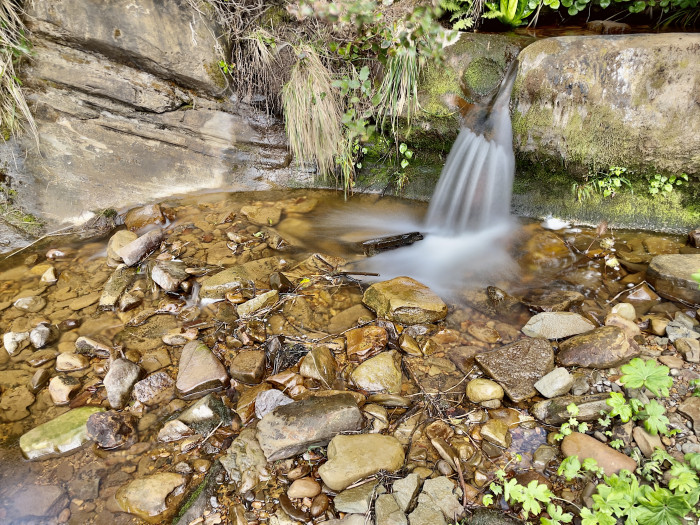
(313, 112)
(13, 48)
(398, 93)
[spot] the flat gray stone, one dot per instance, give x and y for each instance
(358, 500)
(557, 325)
(388, 512)
(557, 383)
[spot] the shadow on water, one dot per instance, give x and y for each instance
(467, 225)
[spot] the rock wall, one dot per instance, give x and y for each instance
(627, 100)
(131, 106)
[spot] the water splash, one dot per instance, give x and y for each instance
(475, 186)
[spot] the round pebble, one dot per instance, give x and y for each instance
(304, 488)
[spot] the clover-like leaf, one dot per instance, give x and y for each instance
(654, 419)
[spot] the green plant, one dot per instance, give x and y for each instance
(464, 14)
(405, 155)
(695, 385)
(509, 12)
(646, 374)
(573, 423)
(696, 277)
(14, 47)
(665, 184)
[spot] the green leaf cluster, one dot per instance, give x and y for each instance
(647, 374)
(664, 185)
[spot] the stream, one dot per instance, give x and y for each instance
(244, 366)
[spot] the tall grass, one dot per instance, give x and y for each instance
(398, 92)
(14, 46)
(313, 112)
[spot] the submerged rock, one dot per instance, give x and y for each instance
(200, 371)
(248, 367)
(405, 300)
(146, 497)
(245, 461)
(518, 366)
(354, 457)
(552, 300)
(14, 403)
(320, 364)
(603, 347)
(381, 373)
(119, 380)
(35, 504)
(112, 430)
(291, 429)
(61, 435)
(15, 342)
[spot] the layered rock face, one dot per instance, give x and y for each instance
(626, 100)
(131, 92)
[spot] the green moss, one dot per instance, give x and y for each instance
(482, 76)
(540, 189)
(215, 73)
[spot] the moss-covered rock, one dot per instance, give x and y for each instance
(626, 100)
(473, 68)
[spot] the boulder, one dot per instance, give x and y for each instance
(292, 428)
(603, 347)
(354, 457)
(670, 275)
(405, 300)
(609, 459)
(518, 366)
(598, 99)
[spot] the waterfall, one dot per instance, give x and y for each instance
(474, 190)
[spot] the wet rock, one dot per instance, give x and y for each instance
(248, 367)
(518, 366)
(484, 333)
(480, 390)
(690, 408)
(117, 242)
(670, 276)
(30, 304)
(319, 505)
(92, 347)
(49, 276)
(348, 318)
(43, 335)
(245, 408)
(543, 456)
(553, 411)
(319, 364)
(156, 389)
(115, 286)
(694, 238)
(381, 373)
(63, 434)
(133, 252)
(405, 491)
(557, 383)
(262, 215)
(625, 310)
(604, 347)
(137, 218)
(218, 285)
(112, 430)
(119, 381)
(552, 300)
(291, 429)
(252, 307)
(496, 432)
(354, 457)
(442, 493)
(62, 388)
(365, 342)
(268, 400)
(39, 380)
(689, 348)
(646, 442)
(206, 414)
(14, 403)
(557, 325)
(146, 497)
(69, 362)
(169, 274)
(608, 27)
(426, 514)
(304, 488)
(358, 500)
(405, 300)
(36, 504)
(15, 342)
(200, 371)
(41, 357)
(631, 329)
(609, 459)
(388, 512)
(84, 301)
(174, 430)
(245, 461)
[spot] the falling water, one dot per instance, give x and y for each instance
(474, 190)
